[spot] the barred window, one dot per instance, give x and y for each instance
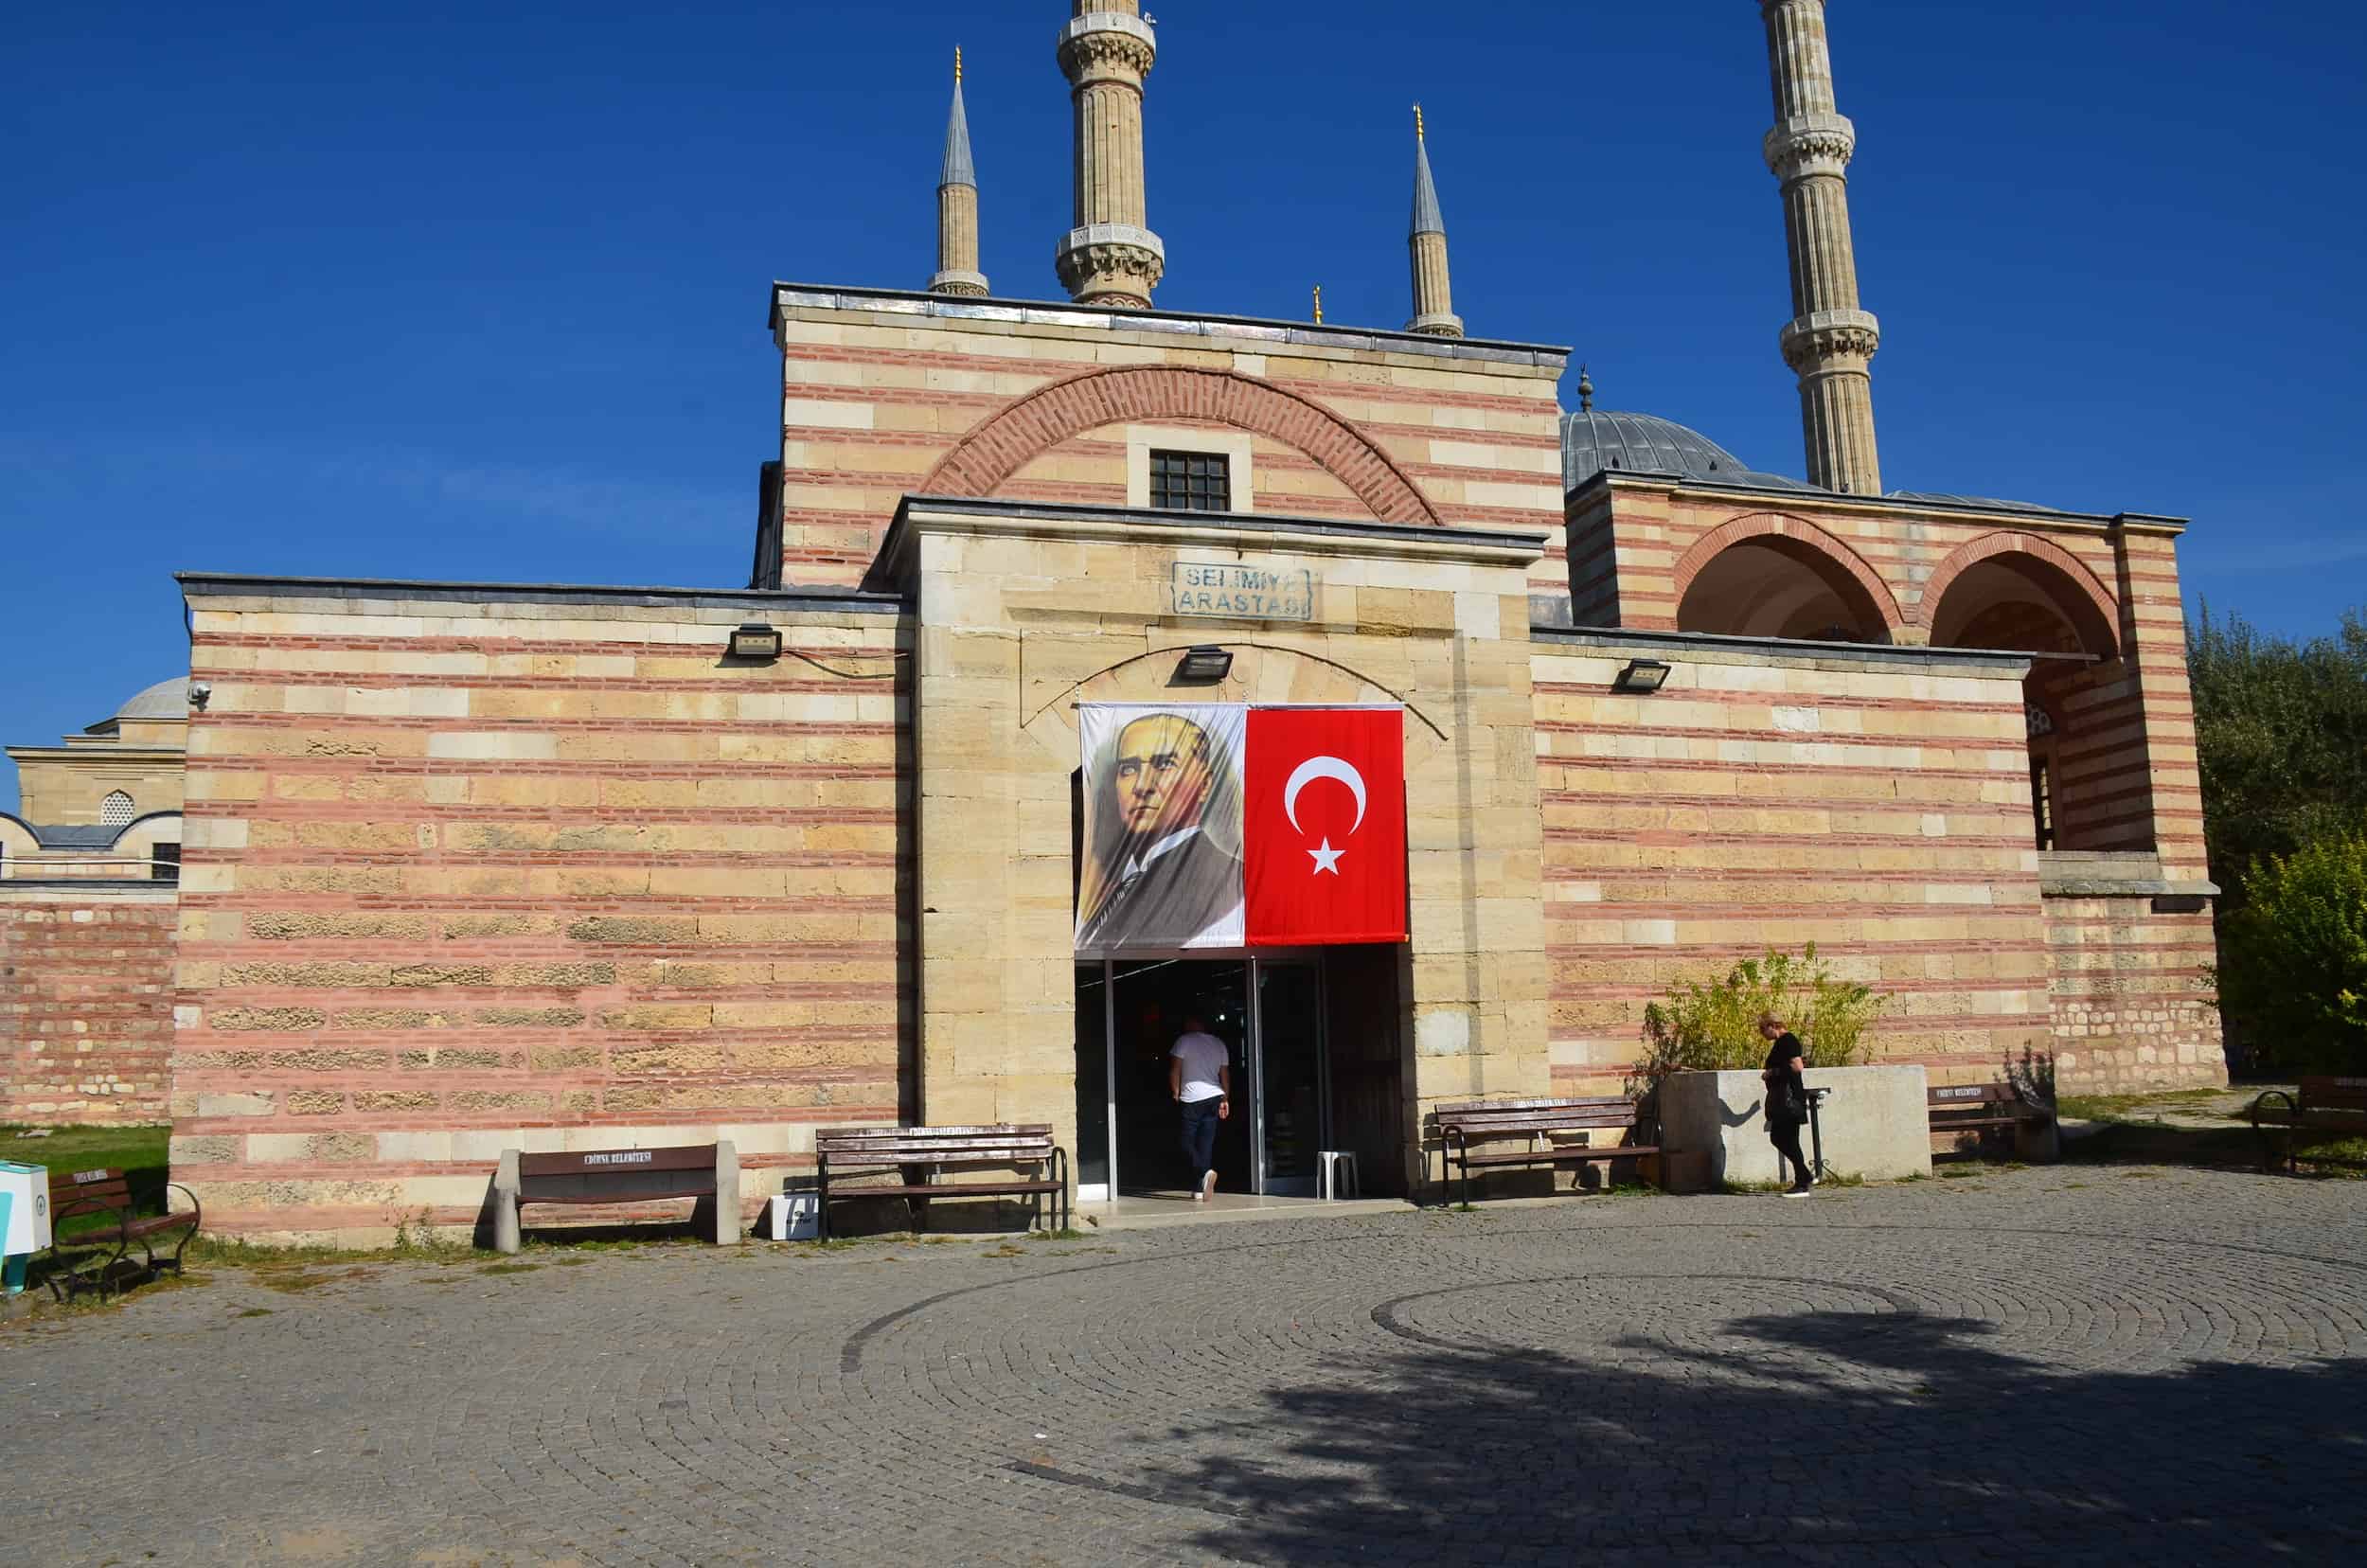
(115, 810)
(164, 862)
(1191, 481)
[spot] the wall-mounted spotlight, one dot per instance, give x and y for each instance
(1641, 676)
(200, 694)
(756, 640)
(1203, 666)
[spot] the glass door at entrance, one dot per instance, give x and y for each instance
(1290, 1072)
(1268, 1014)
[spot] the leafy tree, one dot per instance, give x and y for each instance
(1698, 1028)
(2281, 731)
(2293, 960)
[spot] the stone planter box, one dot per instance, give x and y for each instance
(1877, 1124)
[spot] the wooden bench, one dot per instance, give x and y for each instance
(707, 1172)
(78, 1195)
(1457, 1128)
(2322, 1108)
(920, 1154)
(1983, 1110)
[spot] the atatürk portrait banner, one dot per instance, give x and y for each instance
(1223, 825)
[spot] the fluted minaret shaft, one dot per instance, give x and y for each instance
(1433, 290)
(958, 205)
(1111, 256)
(1830, 342)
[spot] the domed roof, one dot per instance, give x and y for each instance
(167, 699)
(1591, 442)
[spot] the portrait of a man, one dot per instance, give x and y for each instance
(1162, 828)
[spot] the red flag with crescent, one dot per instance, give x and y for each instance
(1323, 825)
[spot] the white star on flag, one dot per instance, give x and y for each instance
(1327, 858)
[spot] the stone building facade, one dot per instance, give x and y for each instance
(475, 866)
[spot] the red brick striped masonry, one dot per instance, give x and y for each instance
(1876, 805)
(468, 876)
(85, 1003)
(885, 396)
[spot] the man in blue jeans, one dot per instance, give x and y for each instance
(1199, 1075)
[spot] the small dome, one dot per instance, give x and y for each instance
(1643, 443)
(168, 699)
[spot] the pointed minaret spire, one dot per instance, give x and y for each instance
(1319, 304)
(958, 205)
(1433, 297)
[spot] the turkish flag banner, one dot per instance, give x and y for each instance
(1323, 825)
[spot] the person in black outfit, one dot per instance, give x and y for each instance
(1786, 1099)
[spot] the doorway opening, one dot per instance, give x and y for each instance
(1276, 1015)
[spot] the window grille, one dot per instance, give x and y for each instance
(1191, 481)
(164, 862)
(115, 810)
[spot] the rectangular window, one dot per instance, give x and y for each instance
(2042, 801)
(1191, 481)
(164, 862)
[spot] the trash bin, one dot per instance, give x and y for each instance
(23, 1218)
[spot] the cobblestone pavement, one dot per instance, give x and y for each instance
(2068, 1366)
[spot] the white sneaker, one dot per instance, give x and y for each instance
(1208, 1188)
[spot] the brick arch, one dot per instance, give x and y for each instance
(1006, 440)
(1801, 538)
(2092, 611)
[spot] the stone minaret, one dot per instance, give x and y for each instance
(957, 206)
(1829, 341)
(1111, 256)
(1433, 294)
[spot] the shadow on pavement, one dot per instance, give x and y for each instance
(1825, 1436)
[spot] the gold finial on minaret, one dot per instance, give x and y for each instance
(957, 62)
(1418, 122)
(1319, 304)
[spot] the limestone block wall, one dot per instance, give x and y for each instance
(1876, 805)
(1025, 613)
(2130, 1002)
(888, 394)
(85, 1003)
(470, 869)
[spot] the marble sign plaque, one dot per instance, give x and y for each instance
(1235, 590)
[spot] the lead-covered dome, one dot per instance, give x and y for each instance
(1644, 443)
(167, 699)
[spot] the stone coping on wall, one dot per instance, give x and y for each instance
(1163, 327)
(240, 591)
(49, 890)
(1775, 652)
(2112, 874)
(1781, 498)
(1229, 530)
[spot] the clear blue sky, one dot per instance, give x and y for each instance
(478, 291)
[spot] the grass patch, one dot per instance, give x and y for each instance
(139, 1152)
(1005, 1250)
(2120, 1107)
(1956, 1173)
(254, 1311)
(510, 1267)
(1066, 1233)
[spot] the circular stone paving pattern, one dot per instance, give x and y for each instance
(2041, 1367)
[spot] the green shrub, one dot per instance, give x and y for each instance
(2293, 960)
(1698, 1028)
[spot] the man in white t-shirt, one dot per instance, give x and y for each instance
(1199, 1075)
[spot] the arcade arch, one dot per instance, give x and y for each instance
(1780, 576)
(2024, 595)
